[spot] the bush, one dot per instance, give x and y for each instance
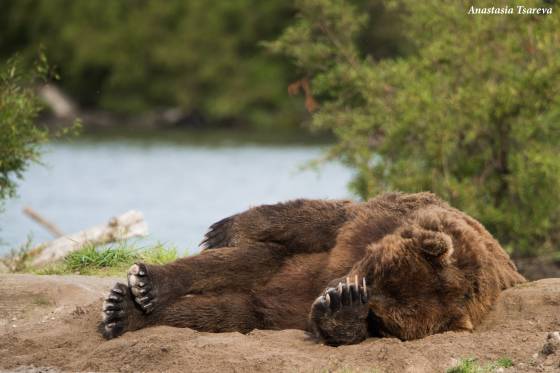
(20, 137)
(471, 112)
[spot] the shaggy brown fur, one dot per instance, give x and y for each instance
(427, 268)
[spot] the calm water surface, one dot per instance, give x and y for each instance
(181, 189)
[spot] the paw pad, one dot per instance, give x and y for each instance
(114, 312)
(141, 287)
(339, 316)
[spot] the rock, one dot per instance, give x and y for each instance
(552, 344)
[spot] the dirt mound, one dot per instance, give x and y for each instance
(48, 324)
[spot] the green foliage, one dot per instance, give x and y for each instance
(471, 365)
(470, 110)
(503, 362)
(20, 138)
(16, 259)
(159, 254)
(130, 56)
(109, 261)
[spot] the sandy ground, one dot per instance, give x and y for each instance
(48, 324)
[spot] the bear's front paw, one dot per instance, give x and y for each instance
(339, 316)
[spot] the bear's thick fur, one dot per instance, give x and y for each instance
(402, 265)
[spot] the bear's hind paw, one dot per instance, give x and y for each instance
(114, 316)
(141, 286)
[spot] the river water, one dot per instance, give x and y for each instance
(180, 188)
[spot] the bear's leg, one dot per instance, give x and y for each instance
(210, 313)
(232, 268)
(339, 316)
(120, 314)
(301, 225)
(227, 312)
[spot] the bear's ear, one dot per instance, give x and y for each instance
(439, 244)
(435, 245)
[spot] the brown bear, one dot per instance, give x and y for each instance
(401, 265)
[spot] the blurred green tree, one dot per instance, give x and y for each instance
(130, 56)
(471, 111)
(20, 138)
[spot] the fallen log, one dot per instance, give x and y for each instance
(130, 224)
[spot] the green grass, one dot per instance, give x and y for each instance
(159, 254)
(17, 258)
(108, 261)
(504, 362)
(471, 365)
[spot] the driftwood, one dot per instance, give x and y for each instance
(64, 110)
(127, 225)
(51, 227)
(60, 104)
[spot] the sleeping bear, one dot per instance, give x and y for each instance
(400, 265)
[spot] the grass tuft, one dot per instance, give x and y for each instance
(108, 260)
(17, 258)
(471, 365)
(90, 257)
(504, 362)
(159, 254)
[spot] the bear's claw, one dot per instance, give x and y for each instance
(141, 287)
(346, 294)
